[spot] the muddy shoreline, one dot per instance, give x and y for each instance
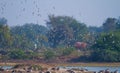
(12, 63)
(52, 67)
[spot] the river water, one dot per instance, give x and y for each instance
(92, 68)
(6, 67)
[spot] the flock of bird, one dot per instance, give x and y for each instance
(23, 8)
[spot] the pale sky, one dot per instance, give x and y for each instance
(90, 12)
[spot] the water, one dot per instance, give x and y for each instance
(6, 67)
(92, 68)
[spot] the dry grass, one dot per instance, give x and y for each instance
(88, 64)
(63, 64)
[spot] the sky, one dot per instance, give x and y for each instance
(90, 12)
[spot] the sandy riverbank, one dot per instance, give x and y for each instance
(49, 66)
(115, 64)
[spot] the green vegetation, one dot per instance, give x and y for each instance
(37, 67)
(107, 47)
(67, 51)
(57, 39)
(49, 55)
(17, 54)
(5, 36)
(64, 31)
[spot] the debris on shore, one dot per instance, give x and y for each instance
(21, 68)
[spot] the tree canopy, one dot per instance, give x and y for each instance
(107, 47)
(5, 35)
(64, 30)
(58, 39)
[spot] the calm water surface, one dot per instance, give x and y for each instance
(6, 67)
(92, 68)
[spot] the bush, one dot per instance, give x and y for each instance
(107, 48)
(105, 56)
(36, 67)
(31, 55)
(49, 55)
(67, 51)
(18, 66)
(17, 54)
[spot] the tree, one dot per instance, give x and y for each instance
(64, 30)
(29, 35)
(3, 21)
(5, 35)
(110, 24)
(107, 47)
(118, 23)
(20, 41)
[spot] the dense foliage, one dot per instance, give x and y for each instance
(17, 54)
(5, 36)
(64, 30)
(107, 47)
(29, 35)
(58, 39)
(49, 55)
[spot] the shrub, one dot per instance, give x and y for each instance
(17, 54)
(49, 55)
(67, 51)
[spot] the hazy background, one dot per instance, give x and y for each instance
(91, 12)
